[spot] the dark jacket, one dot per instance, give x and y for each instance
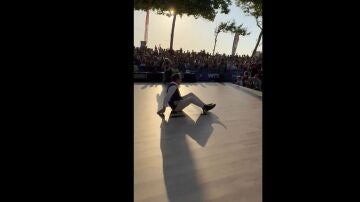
(175, 97)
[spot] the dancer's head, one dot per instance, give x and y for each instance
(176, 78)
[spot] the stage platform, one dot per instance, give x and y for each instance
(213, 157)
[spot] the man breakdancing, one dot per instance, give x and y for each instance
(177, 102)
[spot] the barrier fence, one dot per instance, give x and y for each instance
(191, 76)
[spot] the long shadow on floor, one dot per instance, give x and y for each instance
(179, 170)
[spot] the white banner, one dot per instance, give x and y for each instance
(146, 26)
(235, 43)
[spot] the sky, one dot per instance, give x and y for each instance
(196, 34)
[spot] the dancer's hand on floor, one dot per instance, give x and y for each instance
(161, 111)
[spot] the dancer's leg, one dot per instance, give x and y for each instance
(197, 101)
(187, 101)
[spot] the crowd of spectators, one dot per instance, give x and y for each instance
(249, 70)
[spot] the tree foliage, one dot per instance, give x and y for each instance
(252, 7)
(222, 27)
(241, 30)
(206, 9)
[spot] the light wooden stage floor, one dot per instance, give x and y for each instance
(213, 157)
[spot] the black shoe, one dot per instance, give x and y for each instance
(208, 107)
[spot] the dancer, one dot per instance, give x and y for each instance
(177, 102)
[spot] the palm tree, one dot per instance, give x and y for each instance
(238, 31)
(220, 28)
(197, 8)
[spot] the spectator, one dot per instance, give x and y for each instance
(257, 82)
(152, 60)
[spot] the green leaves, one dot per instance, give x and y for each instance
(231, 27)
(206, 9)
(251, 7)
(222, 27)
(254, 8)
